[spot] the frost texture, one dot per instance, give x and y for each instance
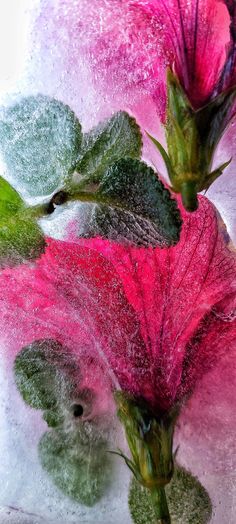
(167, 304)
(40, 139)
(116, 138)
(208, 430)
(167, 313)
(136, 209)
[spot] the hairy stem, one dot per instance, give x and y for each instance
(160, 505)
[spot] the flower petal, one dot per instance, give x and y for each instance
(175, 293)
(74, 296)
(129, 44)
(150, 316)
(228, 74)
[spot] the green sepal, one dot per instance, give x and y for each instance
(129, 463)
(39, 138)
(77, 462)
(113, 139)
(178, 105)
(188, 501)
(214, 175)
(133, 207)
(149, 438)
(181, 132)
(192, 137)
(164, 155)
(212, 120)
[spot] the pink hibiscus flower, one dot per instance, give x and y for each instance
(129, 44)
(157, 319)
(122, 50)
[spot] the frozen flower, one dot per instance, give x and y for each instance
(154, 321)
(128, 47)
(158, 318)
(133, 42)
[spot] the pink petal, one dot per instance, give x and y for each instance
(228, 74)
(175, 292)
(151, 317)
(129, 44)
(74, 295)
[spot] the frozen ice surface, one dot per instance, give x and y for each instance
(207, 442)
(25, 487)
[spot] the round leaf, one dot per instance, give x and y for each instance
(133, 207)
(45, 374)
(10, 200)
(20, 240)
(77, 462)
(115, 138)
(40, 138)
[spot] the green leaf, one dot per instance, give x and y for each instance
(40, 138)
(46, 374)
(134, 207)
(10, 200)
(188, 501)
(77, 463)
(20, 236)
(20, 240)
(118, 137)
(74, 453)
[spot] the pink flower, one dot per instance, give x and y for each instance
(121, 49)
(155, 319)
(129, 44)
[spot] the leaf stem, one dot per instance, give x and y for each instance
(160, 505)
(42, 210)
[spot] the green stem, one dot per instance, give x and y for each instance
(42, 210)
(36, 212)
(160, 505)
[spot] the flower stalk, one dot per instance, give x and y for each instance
(160, 505)
(192, 137)
(150, 440)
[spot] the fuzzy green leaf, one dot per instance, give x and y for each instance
(20, 237)
(20, 240)
(40, 138)
(116, 138)
(188, 501)
(10, 200)
(77, 463)
(45, 374)
(134, 207)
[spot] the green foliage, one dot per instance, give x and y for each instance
(73, 453)
(44, 373)
(10, 200)
(78, 464)
(188, 501)
(110, 141)
(20, 237)
(40, 139)
(134, 207)
(192, 137)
